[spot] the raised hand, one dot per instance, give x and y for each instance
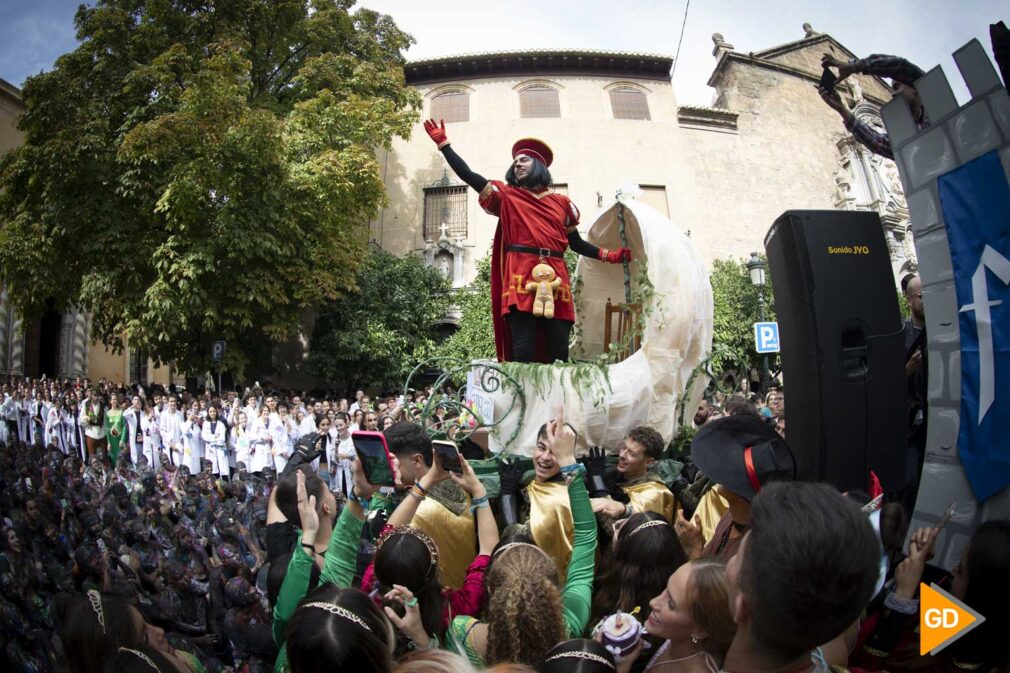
(436, 132)
(410, 624)
(306, 510)
(468, 481)
(561, 438)
(908, 574)
(830, 61)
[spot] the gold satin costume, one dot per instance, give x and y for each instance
(445, 516)
(649, 495)
(710, 510)
(551, 523)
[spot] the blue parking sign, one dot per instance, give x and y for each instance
(766, 337)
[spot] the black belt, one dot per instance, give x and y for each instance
(541, 252)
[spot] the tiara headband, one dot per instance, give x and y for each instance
(340, 612)
(414, 532)
(510, 545)
(96, 605)
(649, 524)
(579, 654)
(142, 656)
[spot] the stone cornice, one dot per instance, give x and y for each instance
(540, 62)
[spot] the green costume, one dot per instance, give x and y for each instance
(338, 568)
(114, 422)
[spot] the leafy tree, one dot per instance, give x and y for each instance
(474, 337)
(736, 311)
(202, 171)
(380, 331)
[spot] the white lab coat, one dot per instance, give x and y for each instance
(152, 439)
(260, 445)
(134, 432)
(192, 446)
(214, 435)
(170, 427)
(284, 435)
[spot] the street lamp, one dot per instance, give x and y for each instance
(756, 269)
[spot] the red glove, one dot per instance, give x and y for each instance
(615, 256)
(436, 132)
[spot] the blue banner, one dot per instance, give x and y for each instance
(975, 199)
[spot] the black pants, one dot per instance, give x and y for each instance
(524, 328)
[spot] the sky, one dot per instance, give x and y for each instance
(33, 33)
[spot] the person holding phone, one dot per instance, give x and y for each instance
(444, 514)
(903, 76)
(407, 556)
(339, 563)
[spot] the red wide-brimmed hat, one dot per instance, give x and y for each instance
(535, 148)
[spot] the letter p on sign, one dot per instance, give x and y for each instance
(766, 337)
(943, 619)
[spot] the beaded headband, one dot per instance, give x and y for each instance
(414, 532)
(340, 612)
(96, 605)
(649, 524)
(143, 656)
(588, 656)
(510, 545)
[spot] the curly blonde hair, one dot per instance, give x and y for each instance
(524, 610)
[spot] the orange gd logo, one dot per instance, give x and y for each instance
(942, 619)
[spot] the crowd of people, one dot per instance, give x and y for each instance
(157, 529)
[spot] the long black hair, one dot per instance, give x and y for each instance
(92, 629)
(639, 567)
(320, 641)
(538, 177)
(405, 560)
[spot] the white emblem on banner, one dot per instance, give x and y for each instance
(999, 265)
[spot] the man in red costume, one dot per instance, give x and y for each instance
(535, 225)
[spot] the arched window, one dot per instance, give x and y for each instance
(451, 106)
(539, 100)
(628, 103)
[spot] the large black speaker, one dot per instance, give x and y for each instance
(841, 346)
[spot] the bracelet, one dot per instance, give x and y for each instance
(417, 492)
(311, 548)
(422, 489)
(905, 606)
(432, 644)
(364, 502)
(479, 503)
(571, 469)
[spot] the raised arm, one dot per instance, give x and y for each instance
(437, 133)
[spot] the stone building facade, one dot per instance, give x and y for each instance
(724, 173)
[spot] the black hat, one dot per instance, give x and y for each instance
(743, 454)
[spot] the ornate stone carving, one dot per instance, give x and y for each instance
(867, 181)
(446, 255)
